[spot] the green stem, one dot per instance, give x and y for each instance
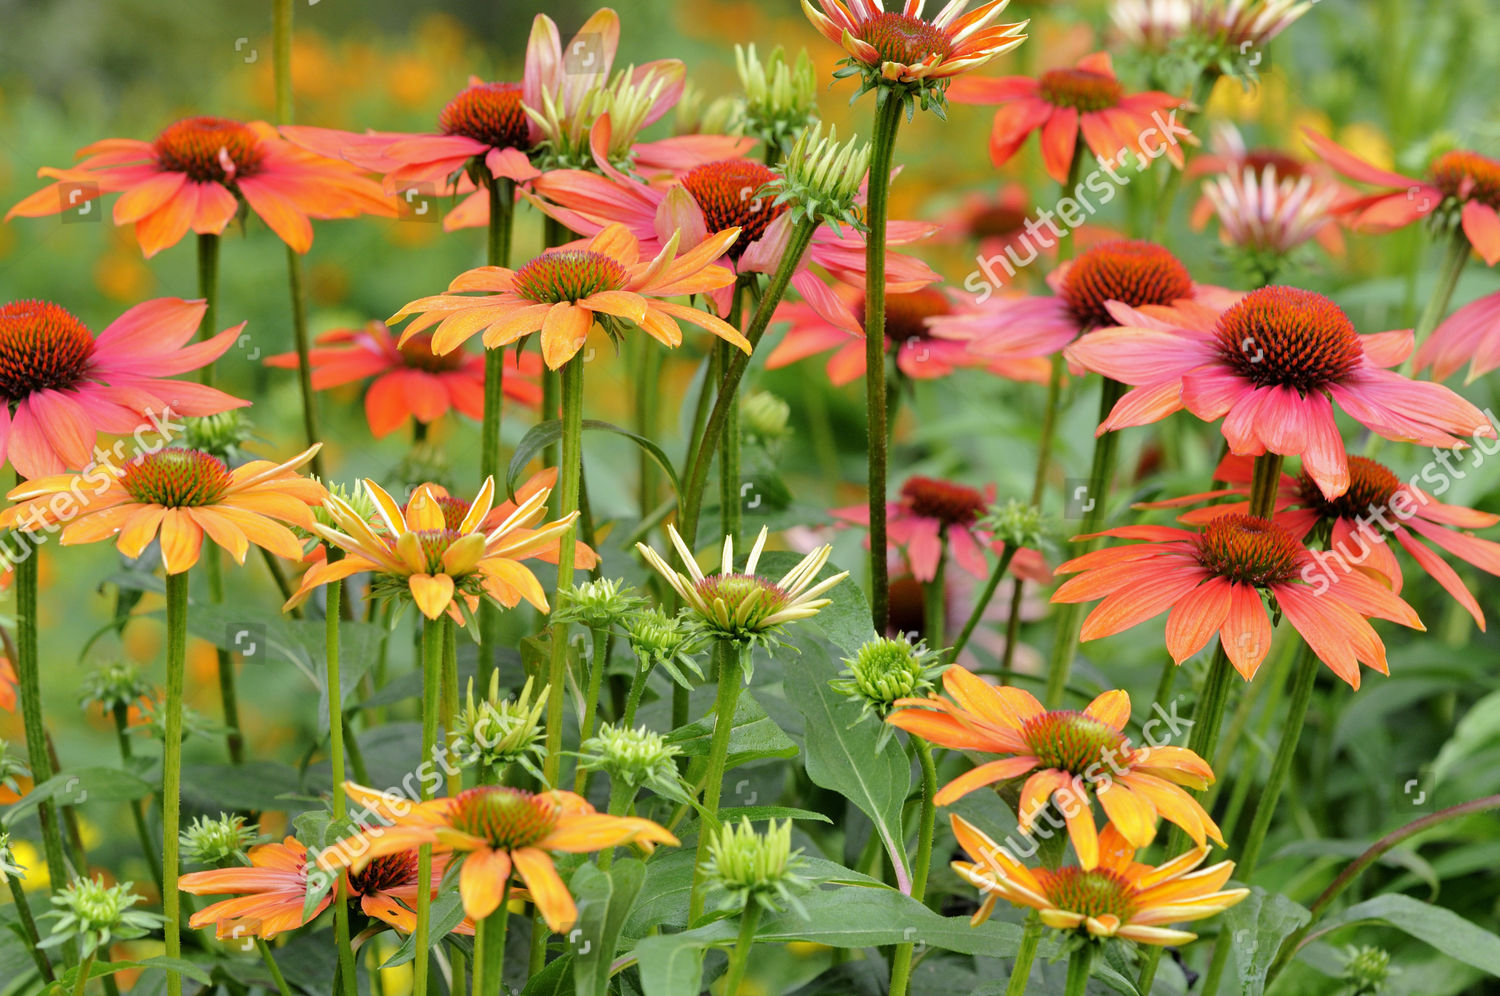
(208, 290)
(432, 691)
(83, 974)
(729, 671)
(1101, 476)
(730, 503)
(598, 660)
(983, 602)
(336, 763)
(888, 108)
(901, 963)
(633, 697)
(1436, 307)
(1020, 969)
(276, 977)
(502, 218)
(647, 420)
(28, 928)
(934, 612)
(234, 738)
(171, 770)
(739, 956)
(1079, 967)
(697, 477)
(1306, 674)
(621, 798)
(489, 947)
(303, 345)
(121, 715)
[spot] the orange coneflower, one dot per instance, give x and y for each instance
(455, 510)
(1213, 579)
(410, 381)
(195, 174)
(271, 894)
(182, 495)
(492, 831)
(1083, 101)
(1268, 366)
(1359, 523)
(905, 47)
(1120, 897)
(563, 292)
(60, 385)
(441, 566)
(1063, 751)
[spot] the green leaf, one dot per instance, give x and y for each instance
(447, 912)
(80, 785)
(554, 980)
(544, 434)
(99, 970)
(846, 620)
(1442, 928)
(671, 965)
(1479, 729)
(844, 754)
(256, 785)
(754, 736)
(604, 899)
(1258, 924)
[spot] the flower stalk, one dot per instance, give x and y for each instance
(433, 639)
(336, 762)
(739, 956)
(730, 666)
(171, 770)
(901, 963)
(489, 946)
(501, 225)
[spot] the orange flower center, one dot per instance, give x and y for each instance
(728, 193)
(42, 348)
(1285, 337)
(176, 478)
(209, 150)
(434, 543)
(568, 275)
(1248, 550)
(1131, 272)
(1081, 89)
(906, 314)
(1096, 893)
(996, 220)
(454, 511)
(505, 818)
(417, 353)
(1371, 486)
(951, 504)
(389, 871)
(490, 113)
(904, 39)
(1467, 176)
(1074, 741)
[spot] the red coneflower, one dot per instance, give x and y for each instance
(1470, 335)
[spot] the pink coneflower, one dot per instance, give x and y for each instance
(1360, 522)
(1460, 180)
(713, 197)
(60, 385)
(906, 47)
(1139, 274)
(196, 174)
(410, 381)
(1271, 366)
(1213, 581)
(1063, 104)
(910, 318)
(1471, 334)
(1264, 213)
(931, 516)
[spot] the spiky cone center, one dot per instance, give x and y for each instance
(505, 818)
(1130, 271)
(1096, 894)
(906, 315)
(748, 599)
(1467, 176)
(389, 871)
(728, 192)
(209, 149)
(1074, 741)
(949, 503)
(1080, 89)
(905, 39)
(490, 113)
(176, 478)
(997, 220)
(1286, 337)
(887, 669)
(42, 348)
(1248, 550)
(1287, 167)
(568, 275)
(1371, 487)
(433, 543)
(416, 353)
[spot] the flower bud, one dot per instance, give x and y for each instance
(10, 868)
(217, 842)
(780, 96)
(1015, 524)
(668, 642)
(495, 732)
(220, 434)
(97, 914)
(12, 768)
(820, 178)
(885, 670)
(764, 418)
(118, 684)
(636, 757)
(1366, 969)
(597, 604)
(750, 867)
